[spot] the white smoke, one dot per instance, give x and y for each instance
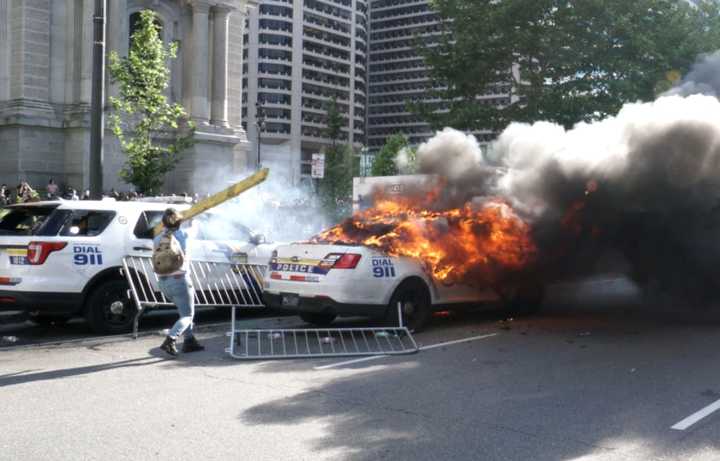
(450, 154)
(704, 77)
(406, 161)
(274, 209)
(670, 144)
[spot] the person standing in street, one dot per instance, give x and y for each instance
(4, 195)
(52, 189)
(171, 264)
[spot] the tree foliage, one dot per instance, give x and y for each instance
(336, 186)
(561, 61)
(384, 163)
(152, 132)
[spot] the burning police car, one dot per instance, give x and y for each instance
(397, 253)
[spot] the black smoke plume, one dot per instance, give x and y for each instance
(644, 184)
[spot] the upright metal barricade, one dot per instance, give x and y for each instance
(240, 286)
(216, 284)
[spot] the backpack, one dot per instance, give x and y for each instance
(168, 256)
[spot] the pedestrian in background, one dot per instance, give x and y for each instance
(172, 265)
(52, 189)
(71, 194)
(4, 195)
(25, 193)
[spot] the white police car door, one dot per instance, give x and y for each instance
(86, 253)
(140, 241)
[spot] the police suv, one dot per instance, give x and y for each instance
(62, 258)
(323, 281)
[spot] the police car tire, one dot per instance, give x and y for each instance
(98, 303)
(410, 290)
(317, 318)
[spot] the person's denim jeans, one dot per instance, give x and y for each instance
(180, 292)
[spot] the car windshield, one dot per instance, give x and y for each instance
(29, 220)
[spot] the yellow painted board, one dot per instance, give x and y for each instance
(220, 197)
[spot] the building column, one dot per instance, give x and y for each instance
(5, 49)
(219, 110)
(117, 40)
(200, 49)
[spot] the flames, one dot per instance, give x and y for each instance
(477, 243)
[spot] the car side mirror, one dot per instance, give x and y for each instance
(257, 239)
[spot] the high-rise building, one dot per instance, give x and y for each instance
(299, 54)
(398, 74)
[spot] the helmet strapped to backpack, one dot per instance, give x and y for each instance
(168, 256)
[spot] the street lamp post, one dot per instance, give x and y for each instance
(97, 121)
(260, 124)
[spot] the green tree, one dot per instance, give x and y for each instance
(561, 61)
(336, 186)
(152, 132)
(384, 163)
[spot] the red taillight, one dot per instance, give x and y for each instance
(347, 261)
(38, 252)
(10, 280)
(7, 300)
(275, 276)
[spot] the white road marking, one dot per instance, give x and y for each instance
(422, 348)
(697, 416)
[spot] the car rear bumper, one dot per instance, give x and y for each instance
(324, 304)
(51, 303)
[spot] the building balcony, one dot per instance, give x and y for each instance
(326, 68)
(327, 84)
(328, 14)
(399, 4)
(324, 97)
(326, 26)
(327, 56)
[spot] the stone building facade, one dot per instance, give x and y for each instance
(45, 87)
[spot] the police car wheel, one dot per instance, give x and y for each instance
(317, 318)
(109, 310)
(415, 305)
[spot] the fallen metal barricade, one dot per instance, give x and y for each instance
(262, 344)
(216, 284)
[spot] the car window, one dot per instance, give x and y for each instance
(147, 221)
(87, 223)
(31, 220)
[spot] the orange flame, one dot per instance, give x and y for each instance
(469, 244)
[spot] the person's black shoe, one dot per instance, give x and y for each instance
(169, 346)
(192, 345)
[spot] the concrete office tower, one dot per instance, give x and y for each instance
(300, 53)
(398, 73)
(45, 82)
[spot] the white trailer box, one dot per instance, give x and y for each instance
(365, 188)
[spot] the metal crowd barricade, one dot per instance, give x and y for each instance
(266, 344)
(239, 286)
(216, 284)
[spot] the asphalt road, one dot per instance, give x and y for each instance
(17, 330)
(591, 378)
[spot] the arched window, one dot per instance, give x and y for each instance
(134, 23)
